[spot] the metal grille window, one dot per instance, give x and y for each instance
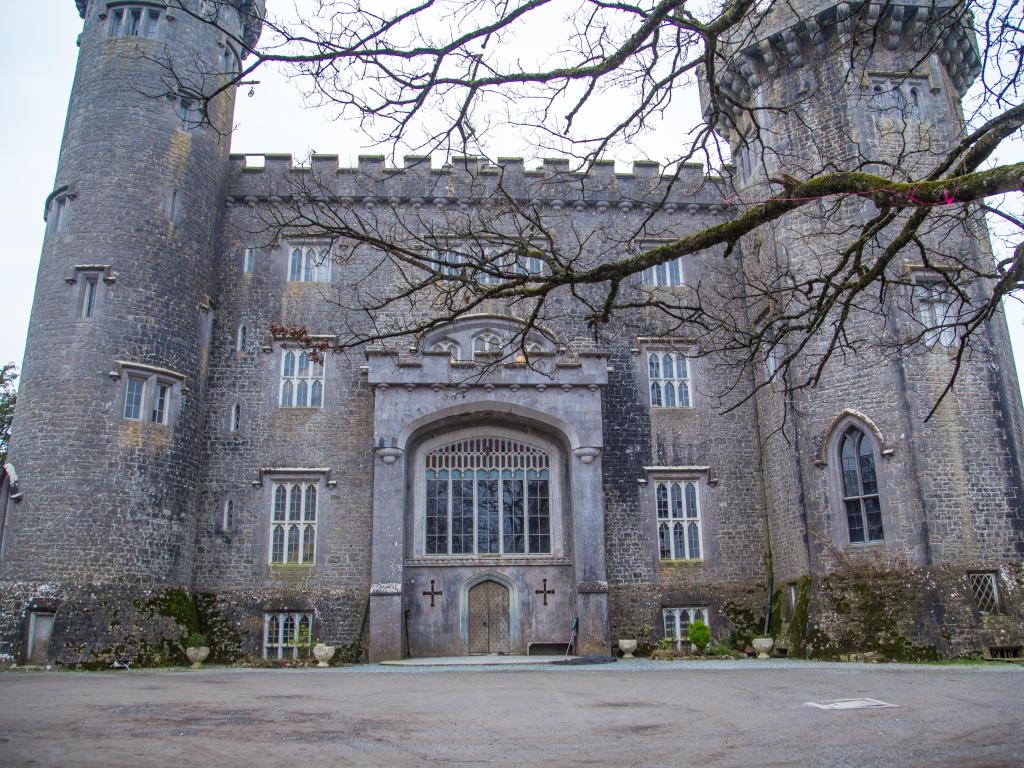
(669, 373)
(293, 530)
(286, 635)
(985, 587)
(679, 536)
(134, 21)
(310, 264)
(488, 496)
(677, 622)
(302, 381)
(860, 488)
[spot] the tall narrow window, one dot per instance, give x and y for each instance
(241, 338)
(57, 214)
(293, 526)
(669, 374)
(679, 529)
(936, 312)
(235, 422)
(860, 488)
(487, 496)
(161, 402)
(249, 260)
(133, 397)
(302, 381)
(134, 21)
(89, 289)
(229, 515)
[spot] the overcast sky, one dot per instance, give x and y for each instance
(37, 63)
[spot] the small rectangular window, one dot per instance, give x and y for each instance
(134, 21)
(936, 311)
(161, 401)
(116, 20)
(58, 207)
(89, 296)
(133, 398)
(668, 274)
(190, 113)
(152, 23)
(249, 261)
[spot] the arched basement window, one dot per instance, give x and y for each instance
(860, 487)
(488, 496)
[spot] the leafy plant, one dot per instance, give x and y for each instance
(699, 634)
(666, 644)
(197, 640)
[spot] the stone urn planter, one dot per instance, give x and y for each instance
(323, 653)
(763, 646)
(627, 647)
(197, 655)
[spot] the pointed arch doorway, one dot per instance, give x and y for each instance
(489, 618)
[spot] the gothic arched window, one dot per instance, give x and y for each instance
(449, 346)
(860, 487)
(679, 530)
(487, 341)
(293, 524)
(302, 381)
(488, 496)
(669, 374)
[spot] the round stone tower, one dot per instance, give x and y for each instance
(858, 479)
(104, 468)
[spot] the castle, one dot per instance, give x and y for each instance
(175, 466)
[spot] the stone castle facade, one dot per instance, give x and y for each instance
(176, 467)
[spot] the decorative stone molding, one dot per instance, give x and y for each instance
(479, 560)
(592, 587)
(386, 588)
(388, 454)
(884, 447)
(324, 472)
(586, 454)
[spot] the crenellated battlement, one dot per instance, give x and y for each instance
(466, 179)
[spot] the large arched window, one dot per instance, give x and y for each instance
(488, 496)
(860, 487)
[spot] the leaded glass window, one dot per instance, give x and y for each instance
(860, 488)
(302, 381)
(669, 374)
(668, 274)
(677, 622)
(133, 397)
(309, 264)
(936, 313)
(679, 530)
(293, 524)
(287, 634)
(985, 588)
(488, 496)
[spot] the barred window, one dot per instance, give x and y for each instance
(287, 635)
(679, 534)
(293, 528)
(677, 622)
(302, 381)
(985, 587)
(669, 373)
(860, 488)
(488, 495)
(309, 264)
(134, 21)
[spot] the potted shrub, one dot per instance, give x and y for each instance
(197, 649)
(700, 635)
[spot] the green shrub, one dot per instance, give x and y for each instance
(699, 634)
(666, 644)
(196, 640)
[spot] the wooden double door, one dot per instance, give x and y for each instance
(488, 618)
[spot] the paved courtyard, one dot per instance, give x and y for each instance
(641, 713)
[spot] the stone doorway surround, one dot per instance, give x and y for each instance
(425, 391)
